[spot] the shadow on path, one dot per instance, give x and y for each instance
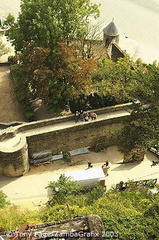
(6, 180)
(126, 166)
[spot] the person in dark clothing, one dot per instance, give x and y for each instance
(90, 165)
(154, 163)
(106, 163)
(76, 116)
(122, 186)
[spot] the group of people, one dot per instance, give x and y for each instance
(84, 117)
(105, 165)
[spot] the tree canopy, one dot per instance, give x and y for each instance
(143, 125)
(47, 22)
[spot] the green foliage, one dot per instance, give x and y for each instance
(12, 218)
(49, 72)
(63, 188)
(66, 155)
(54, 213)
(93, 101)
(124, 81)
(97, 192)
(142, 127)
(113, 78)
(9, 21)
(22, 91)
(132, 214)
(99, 101)
(3, 48)
(12, 60)
(46, 22)
(3, 200)
(145, 85)
(80, 103)
(55, 81)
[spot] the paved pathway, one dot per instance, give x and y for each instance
(71, 123)
(9, 107)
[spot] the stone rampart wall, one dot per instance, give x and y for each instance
(14, 160)
(76, 137)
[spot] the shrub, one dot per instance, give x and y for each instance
(3, 200)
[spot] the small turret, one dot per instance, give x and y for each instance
(110, 35)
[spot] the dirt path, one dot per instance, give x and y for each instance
(30, 191)
(9, 107)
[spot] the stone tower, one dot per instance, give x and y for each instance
(110, 35)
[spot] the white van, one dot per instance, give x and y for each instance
(88, 177)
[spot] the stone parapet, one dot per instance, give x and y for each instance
(47, 122)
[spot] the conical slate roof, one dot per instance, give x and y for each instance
(111, 30)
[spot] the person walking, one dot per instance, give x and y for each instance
(105, 168)
(90, 165)
(76, 116)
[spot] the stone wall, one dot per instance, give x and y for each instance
(75, 137)
(17, 146)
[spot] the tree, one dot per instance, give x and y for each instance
(42, 25)
(3, 48)
(63, 188)
(145, 85)
(143, 126)
(55, 83)
(9, 21)
(46, 22)
(113, 78)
